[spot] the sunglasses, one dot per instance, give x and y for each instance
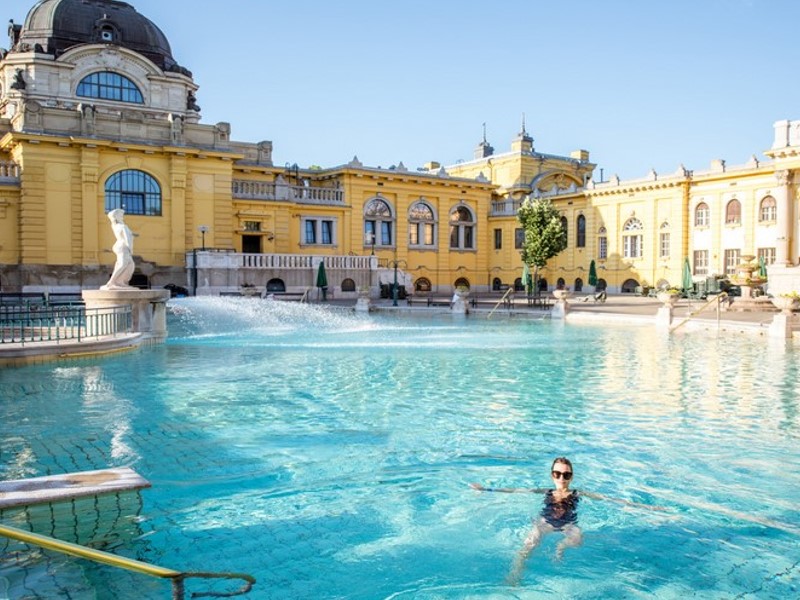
(567, 475)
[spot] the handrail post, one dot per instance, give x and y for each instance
(178, 589)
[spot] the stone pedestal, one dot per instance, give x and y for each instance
(559, 310)
(362, 304)
(459, 305)
(664, 316)
(781, 326)
(149, 308)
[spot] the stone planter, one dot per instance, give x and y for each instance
(667, 298)
(786, 304)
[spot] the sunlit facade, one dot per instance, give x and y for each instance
(111, 120)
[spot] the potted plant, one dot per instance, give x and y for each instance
(786, 303)
(668, 296)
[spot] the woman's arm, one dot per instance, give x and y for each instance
(595, 496)
(480, 488)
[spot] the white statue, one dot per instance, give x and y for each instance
(123, 248)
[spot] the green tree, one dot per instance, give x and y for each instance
(545, 236)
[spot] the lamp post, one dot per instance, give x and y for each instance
(394, 287)
(203, 229)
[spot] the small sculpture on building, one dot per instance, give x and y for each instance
(176, 128)
(191, 102)
(123, 248)
(19, 81)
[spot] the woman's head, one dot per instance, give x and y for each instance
(561, 472)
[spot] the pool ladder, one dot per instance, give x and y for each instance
(129, 564)
(717, 299)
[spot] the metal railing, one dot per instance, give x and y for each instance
(509, 291)
(716, 300)
(32, 324)
(177, 577)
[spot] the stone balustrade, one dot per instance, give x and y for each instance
(277, 191)
(9, 171)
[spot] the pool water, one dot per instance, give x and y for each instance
(329, 455)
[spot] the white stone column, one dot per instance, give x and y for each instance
(783, 218)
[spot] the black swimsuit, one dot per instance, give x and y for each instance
(559, 513)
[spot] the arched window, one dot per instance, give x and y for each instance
(702, 215)
(632, 238)
(135, 192)
(276, 285)
(348, 285)
(578, 286)
(378, 223)
(461, 282)
(768, 211)
(580, 232)
(421, 225)
(565, 227)
(664, 241)
(422, 285)
(496, 284)
(733, 212)
(106, 85)
(462, 229)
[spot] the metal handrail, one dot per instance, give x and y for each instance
(491, 312)
(304, 297)
(693, 314)
(34, 323)
(129, 564)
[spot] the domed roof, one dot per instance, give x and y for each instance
(55, 26)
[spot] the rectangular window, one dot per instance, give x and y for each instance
(454, 236)
(602, 247)
(319, 231)
(386, 233)
(732, 260)
(519, 238)
(413, 234)
(252, 226)
(428, 234)
(632, 246)
(327, 232)
(700, 262)
(468, 231)
(311, 232)
(369, 233)
(664, 245)
(767, 255)
(498, 239)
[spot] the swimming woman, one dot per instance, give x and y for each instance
(559, 513)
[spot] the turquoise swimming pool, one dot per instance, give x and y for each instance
(329, 455)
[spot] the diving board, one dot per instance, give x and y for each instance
(58, 488)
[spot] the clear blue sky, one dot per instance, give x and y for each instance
(639, 84)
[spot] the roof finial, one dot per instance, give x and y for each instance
(523, 124)
(484, 132)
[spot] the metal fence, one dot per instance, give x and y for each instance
(34, 323)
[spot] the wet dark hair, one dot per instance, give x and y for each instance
(563, 460)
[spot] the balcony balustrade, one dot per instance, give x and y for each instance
(282, 192)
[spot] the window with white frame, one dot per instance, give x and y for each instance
(663, 245)
(700, 262)
(702, 215)
(421, 225)
(378, 223)
(768, 210)
(462, 229)
(632, 238)
(602, 243)
(318, 231)
(732, 260)
(733, 212)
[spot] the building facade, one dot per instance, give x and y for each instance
(96, 114)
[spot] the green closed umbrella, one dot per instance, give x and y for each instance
(322, 279)
(592, 273)
(688, 283)
(526, 277)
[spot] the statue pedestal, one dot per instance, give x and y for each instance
(664, 317)
(781, 326)
(149, 308)
(362, 304)
(459, 305)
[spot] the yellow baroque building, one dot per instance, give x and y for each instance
(96, 114)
